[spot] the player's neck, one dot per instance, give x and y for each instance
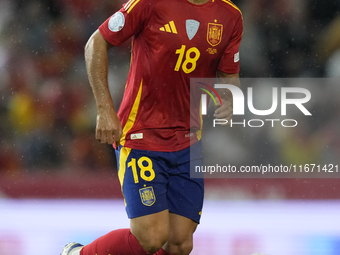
(198, 1)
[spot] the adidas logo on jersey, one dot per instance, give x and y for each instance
(170, 28)
(136, 136)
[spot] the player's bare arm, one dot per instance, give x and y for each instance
(108, 128)
(226, 110)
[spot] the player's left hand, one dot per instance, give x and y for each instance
(224, 111)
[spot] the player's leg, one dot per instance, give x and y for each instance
(117, 242)
(185, 200)
(148, 234)
(185, 205)
(144, 179)
(151, 231)
(144, 190)
(180, 241)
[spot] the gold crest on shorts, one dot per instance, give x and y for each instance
(147, 196)
(214, 33)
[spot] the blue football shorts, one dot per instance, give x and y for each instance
(154, 181)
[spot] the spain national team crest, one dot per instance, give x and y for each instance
(147, 196)
(214, 34)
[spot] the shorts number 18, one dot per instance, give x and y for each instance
(143, 169)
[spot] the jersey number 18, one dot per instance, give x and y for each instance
(189, 63)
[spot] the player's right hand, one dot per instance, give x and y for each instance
(108, 128)
(224, 111)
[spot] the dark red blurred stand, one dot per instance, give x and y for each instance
(105, 185)
(85, 185)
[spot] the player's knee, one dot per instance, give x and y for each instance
(153, 246)
(152, 242)
(182, 248)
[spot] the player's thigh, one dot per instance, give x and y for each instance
(181, 232)
(185, 199)
(151, 231)
(143, 177)
(185, 195)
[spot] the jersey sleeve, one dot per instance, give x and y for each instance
(126, 22)
(230, 61)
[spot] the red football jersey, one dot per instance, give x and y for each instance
(173, 41)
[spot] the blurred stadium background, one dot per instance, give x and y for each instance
(58, 184)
